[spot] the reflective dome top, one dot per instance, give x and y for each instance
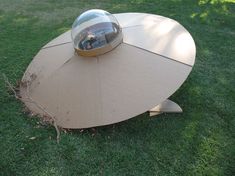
(95, 32)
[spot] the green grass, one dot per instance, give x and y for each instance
(200, 141)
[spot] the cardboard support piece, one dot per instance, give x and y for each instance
(167, 106)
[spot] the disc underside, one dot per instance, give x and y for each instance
(137, 75)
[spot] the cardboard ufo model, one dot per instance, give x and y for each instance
(109, 68)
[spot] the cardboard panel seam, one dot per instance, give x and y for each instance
(56, 45)
(158, 54)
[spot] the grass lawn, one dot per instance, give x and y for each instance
(200, 141)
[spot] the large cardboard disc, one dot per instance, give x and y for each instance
(83, 92)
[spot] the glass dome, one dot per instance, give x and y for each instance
(95, 32)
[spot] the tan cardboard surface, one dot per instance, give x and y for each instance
(46, 62)
(82, 92)
(166, 38)
(135, 19)
(86, 92)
